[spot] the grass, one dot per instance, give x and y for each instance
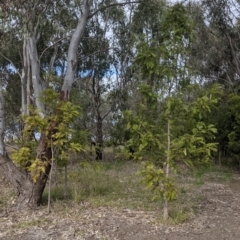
(212, 173)
(109, 184)
(30, 223)
(116, 184)
(7, 195)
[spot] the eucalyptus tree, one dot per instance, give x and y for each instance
(215, 52)
(106, 67)
(94, 65)
(215, 58)
(31, 16)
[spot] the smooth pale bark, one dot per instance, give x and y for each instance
(35, 70)
(53, 58)
(24, 78)
(28, 85)
(73, 49)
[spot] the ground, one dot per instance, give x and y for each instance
(214, 198)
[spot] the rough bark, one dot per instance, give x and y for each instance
(28, 193)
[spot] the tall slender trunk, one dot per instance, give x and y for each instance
(65, 181)
(24, 77)
(73, 49)
(99, 140)
(28, 85)
(165, 208)
(219, 156)
(35, 70)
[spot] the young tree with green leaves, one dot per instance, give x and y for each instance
(190, 140)
(155, 126)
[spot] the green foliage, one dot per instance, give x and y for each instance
(194, 148)
(234, 133)
(25, 158)
(147, 16)
(145, 129)
(159, 58)
(148, 59)
(192, 139)
(36, 168)
(173, 118)
(176, 24)
(55, 128)
(22, 156)
(156, 181)
(12, 105)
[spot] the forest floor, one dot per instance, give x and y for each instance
(107, 202)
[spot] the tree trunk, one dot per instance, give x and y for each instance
(99, 139)
(65, 181)
(219, 156)
(165, 208)
(35, 70)
(24, 78)
(29, 194)
(73, 49)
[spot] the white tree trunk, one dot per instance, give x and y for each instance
(24, 77)
(72, 50)
(35, 69)
(28, 85)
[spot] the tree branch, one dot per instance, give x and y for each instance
(106, 114)
(51, 46)
(94, 53)
(2, 147)
(112, 5)
(12, 64)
